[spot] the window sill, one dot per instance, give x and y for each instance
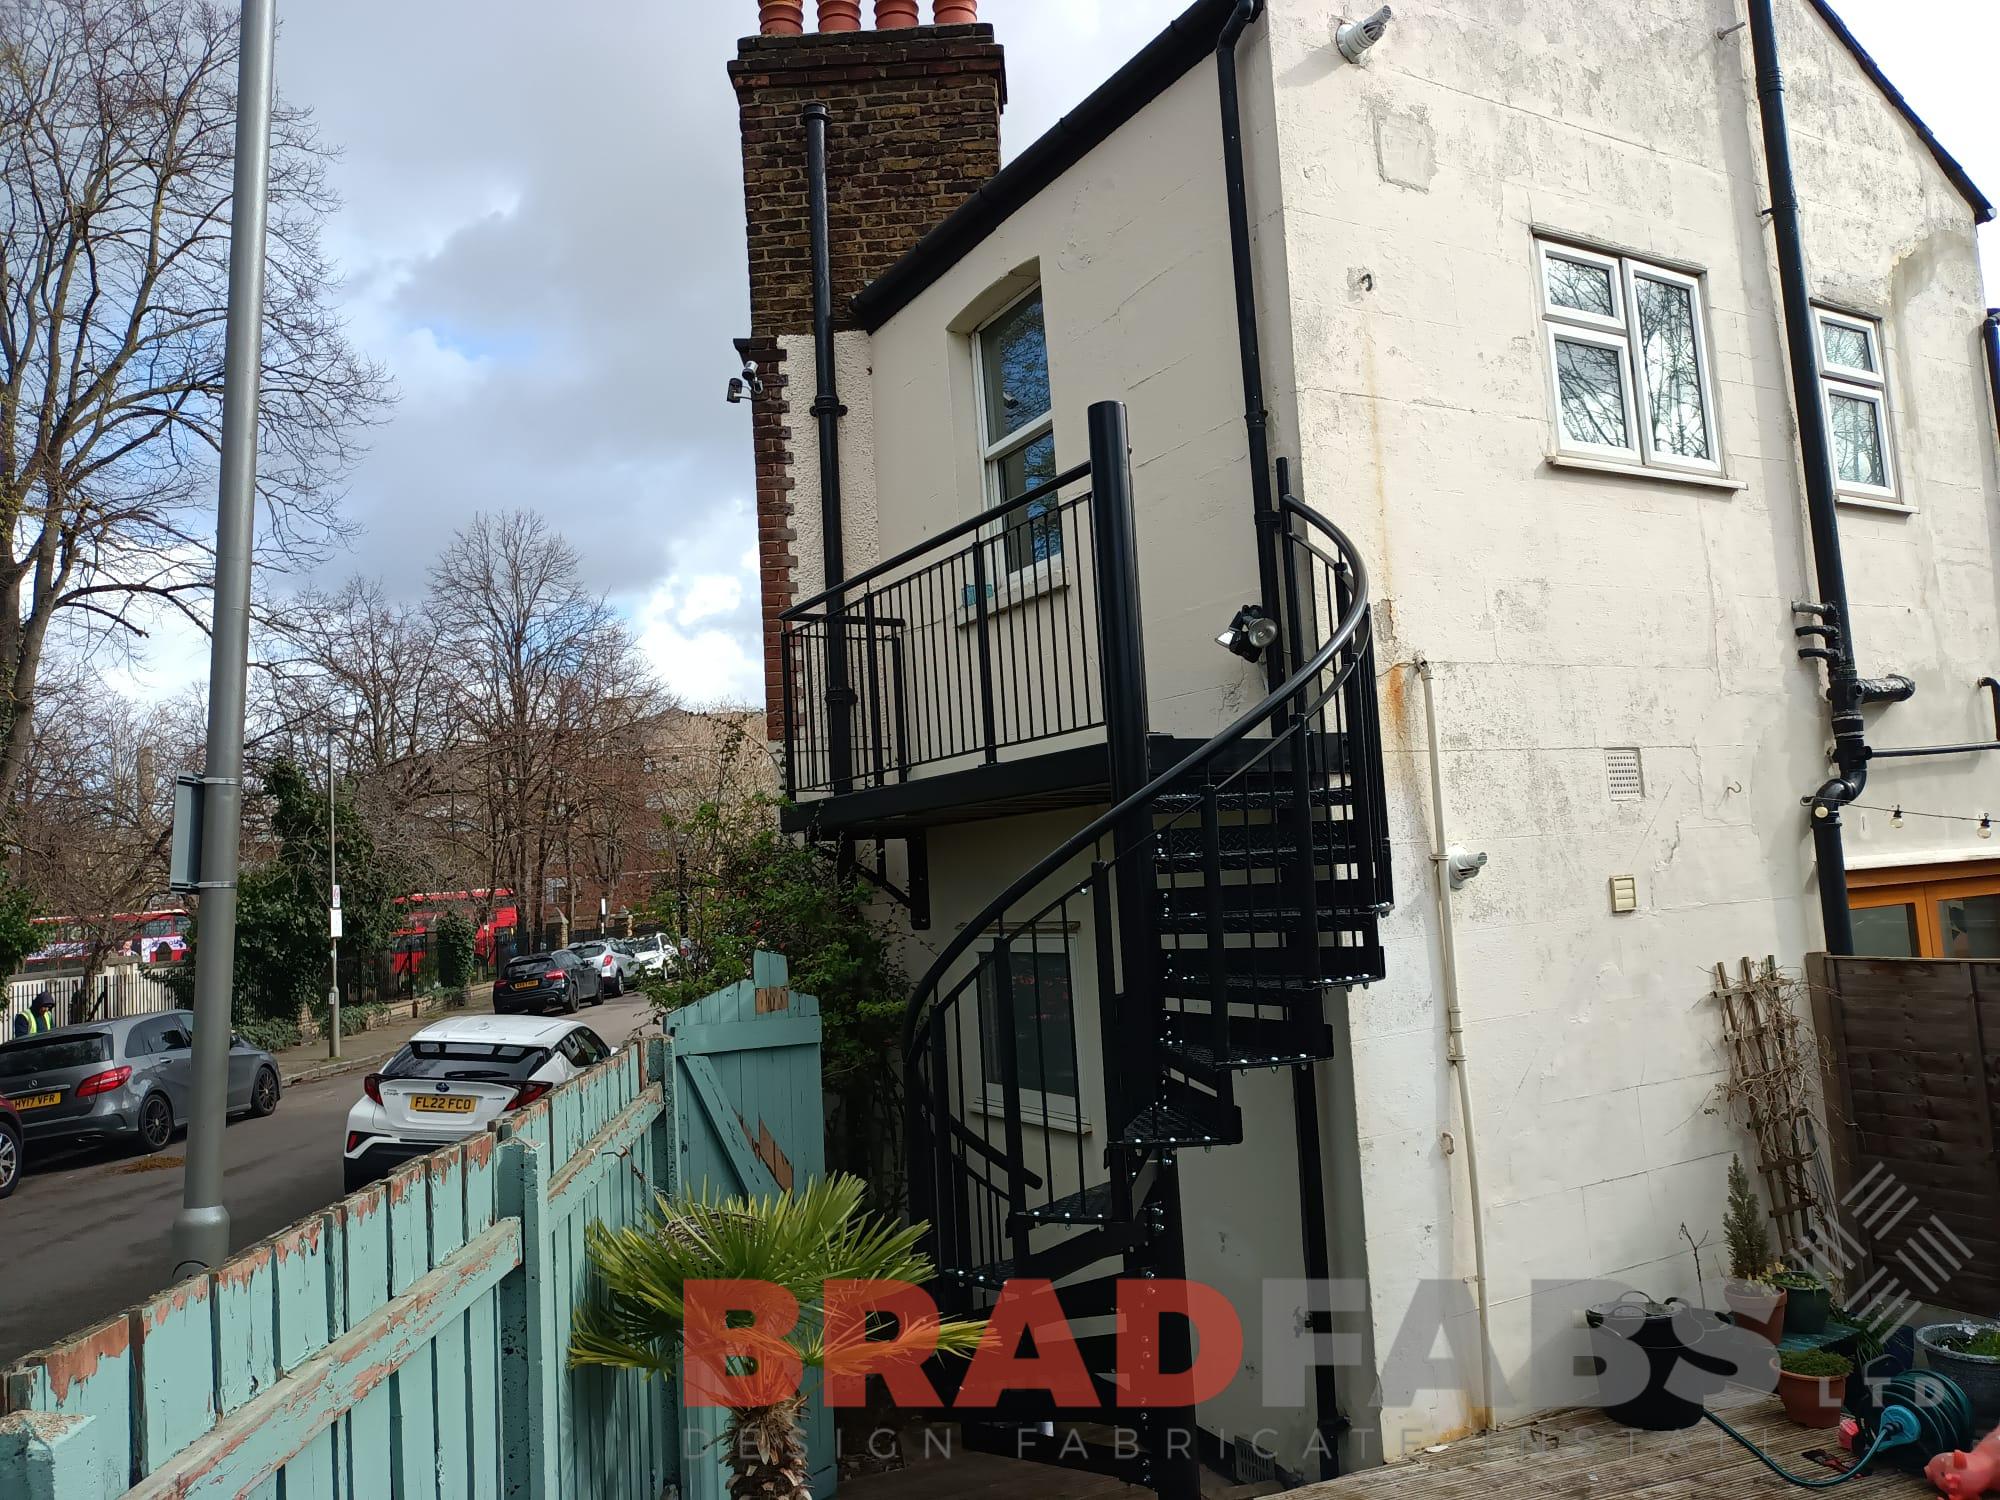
(1066, 1122)
(1640, 471)
(1020, 588)
(1874, 502)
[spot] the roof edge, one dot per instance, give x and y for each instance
(1164, 61)
(1982, 210)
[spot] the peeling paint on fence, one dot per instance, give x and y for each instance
(410, 1340)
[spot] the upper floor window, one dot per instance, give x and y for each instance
(1017, 428)
(1628, 354)
(1857, 404)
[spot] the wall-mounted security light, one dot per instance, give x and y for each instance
(747, 384)
(1355, 37)
(1250, 634)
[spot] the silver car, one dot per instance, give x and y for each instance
(129, 1081)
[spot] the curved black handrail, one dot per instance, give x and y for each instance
(1340, 637)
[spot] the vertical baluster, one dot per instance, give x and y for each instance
(1007, 1018)
(983, 613)
(1108, 1036)
(788, 645)
(1211, 886)
(899, 689)
(869, 635)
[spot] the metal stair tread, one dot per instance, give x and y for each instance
(1202, 1056)
(1096, 1204)
(1168, 1125)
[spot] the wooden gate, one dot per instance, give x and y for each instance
(1912, 1084)
(749, 1119)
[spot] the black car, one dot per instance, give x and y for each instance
(547, 981)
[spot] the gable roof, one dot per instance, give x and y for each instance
(1982, 210)
(1189, 40)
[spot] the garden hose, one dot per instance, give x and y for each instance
(1922, 1410)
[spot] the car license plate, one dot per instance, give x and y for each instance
(527, 984)
(443, 1104)
(37, 1101)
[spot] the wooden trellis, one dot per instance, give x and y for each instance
(1771, 1068)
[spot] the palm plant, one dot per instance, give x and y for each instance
(636, 1315)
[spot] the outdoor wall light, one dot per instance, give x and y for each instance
(1250, 634)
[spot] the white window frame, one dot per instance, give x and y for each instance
(1621, 333)
(1871, 386)
(994, 451)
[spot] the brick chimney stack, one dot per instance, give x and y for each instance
(915, 130)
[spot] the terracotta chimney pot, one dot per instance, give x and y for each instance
(839, 15)
(781, 17)
(957, 12)
(891, 14)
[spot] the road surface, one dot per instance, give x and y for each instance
(85, 1235)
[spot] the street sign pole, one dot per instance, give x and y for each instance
(201, 1230)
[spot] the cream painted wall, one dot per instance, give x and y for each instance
(1567, 612)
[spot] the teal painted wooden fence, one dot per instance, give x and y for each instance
(409, 1341)
(749, 1121)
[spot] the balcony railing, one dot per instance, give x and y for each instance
(979, 640)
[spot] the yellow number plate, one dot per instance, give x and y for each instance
(443, 1104)
(527, 984)
(37, 1101)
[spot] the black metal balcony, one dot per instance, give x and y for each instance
(979, 641)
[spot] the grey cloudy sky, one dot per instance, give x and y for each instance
(542, 240)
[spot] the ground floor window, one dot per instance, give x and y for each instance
(1927, 911)
(1040, 1008)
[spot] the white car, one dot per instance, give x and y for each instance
(454, 1079)
(615, 967)
(656, 955)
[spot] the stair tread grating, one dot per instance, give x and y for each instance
(1203, 1056)
(1097, 1204)
(1167, 1125)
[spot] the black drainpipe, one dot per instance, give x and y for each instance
(828, 411)
(1255, 417)
(1833, 625)
(1992, 332)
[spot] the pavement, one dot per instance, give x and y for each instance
(309, 1062)
(86, 1234)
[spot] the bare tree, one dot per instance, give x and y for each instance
(96, 813)
(550, 679)
(116, 134)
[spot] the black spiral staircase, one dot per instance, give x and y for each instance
(1208, 912)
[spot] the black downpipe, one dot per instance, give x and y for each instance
(1256, 418)
(1844, 695)
(1991, 335)
(827, 412)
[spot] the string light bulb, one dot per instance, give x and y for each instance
(1985, 826)
(1896, 817)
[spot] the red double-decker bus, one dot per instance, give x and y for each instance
(424, 908)
(152, 937)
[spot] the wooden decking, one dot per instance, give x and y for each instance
(1576, 1455)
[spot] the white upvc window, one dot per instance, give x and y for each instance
(1857, 404)
(1628, 360)
(1017, 429)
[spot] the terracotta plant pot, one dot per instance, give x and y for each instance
(957, 12)
(892, 14)
(1759, 1308)
(1812, 1400)
(781, 17)
(839, 15)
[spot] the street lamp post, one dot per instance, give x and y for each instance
(201, 1230)
(332, 912)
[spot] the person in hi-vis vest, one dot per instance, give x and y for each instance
(39, 1017)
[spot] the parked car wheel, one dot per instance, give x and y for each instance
(264, 1095)
(156, 1125)
(570, 1003)
(10, 1160)
(617, 987)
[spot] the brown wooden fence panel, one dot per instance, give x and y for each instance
(1912, 1089)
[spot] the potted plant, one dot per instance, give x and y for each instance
(1807, 1300)
(1969, 1352)
(1812, 1384)
(1754, 1303)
